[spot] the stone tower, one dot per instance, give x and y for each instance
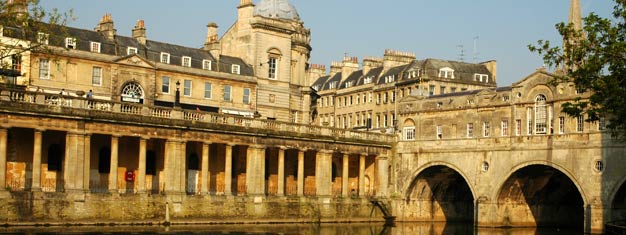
(271, 37)
(574, 15)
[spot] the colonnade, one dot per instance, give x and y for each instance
(77, 166)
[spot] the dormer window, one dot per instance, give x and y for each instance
(235, 69)
(390, 78)
(332, 85)
(368, 79)
(95, 47)
(186, 61)
(165, 58)
(70, 43)
(348, 84)
(131, 50)
(316, 87)
(412, 74)
(446, 73)
(206, 65)
(43, 38)
(481, 77)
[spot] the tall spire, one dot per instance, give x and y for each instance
(575, 16)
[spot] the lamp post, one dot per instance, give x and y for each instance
(177, 99)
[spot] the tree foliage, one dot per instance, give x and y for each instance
(22, 23)
(594, 59)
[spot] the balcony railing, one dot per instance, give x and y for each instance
(57, 100)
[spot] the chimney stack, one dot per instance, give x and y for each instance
(397, 58)
(371, 62)
(212, 43)
(316, 71)
(139, 32)
(492, 66)
(335, 67)
(107, 27)
(349, 66)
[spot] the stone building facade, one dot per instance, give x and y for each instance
(365, 98)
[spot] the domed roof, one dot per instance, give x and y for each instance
(280, 9)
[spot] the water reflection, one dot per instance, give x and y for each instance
(294, 229)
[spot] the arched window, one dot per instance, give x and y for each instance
(408, 130)
(541, 115)
(132, 92)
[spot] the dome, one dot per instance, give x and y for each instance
(279, 9)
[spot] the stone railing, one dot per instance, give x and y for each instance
(64, 101)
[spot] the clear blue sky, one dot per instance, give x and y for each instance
(429, 28)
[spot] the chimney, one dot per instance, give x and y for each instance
(396, 58)
(335, 67)
(492, 66)
(139, 32)
(212, 43)
(316, 71)
(106, 27)
(17, 7)
(245, 10)
(371, 62)
(349, 66)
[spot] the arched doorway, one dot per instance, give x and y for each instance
(541, 196)
(132, 92)
(440, 194)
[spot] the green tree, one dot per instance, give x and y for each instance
(27, 27)
(594, 59)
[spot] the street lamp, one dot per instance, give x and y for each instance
(177, 99)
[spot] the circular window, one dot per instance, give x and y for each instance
(599, 166)
(519, 95)
(132, 92)
(485, 166)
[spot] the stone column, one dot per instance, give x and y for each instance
(141, 175)
(281, 171)
(73, 167)
(255, 171)
(362, 175)
(205, 168)
(228, 170)
(300, 183)
(323, 173)
(181, 160)
(37, 142)
(383, 171)
(114, 160)
(86, 162)
(3, 158)
(344, 176)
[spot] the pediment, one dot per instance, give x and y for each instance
(135, 60)
(486, 93)
(541, 76)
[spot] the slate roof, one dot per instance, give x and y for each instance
(462, 71)
(336, 78)
(395, 71)
(319, 83)
(151, 51)
(375, 73)
(354, 78)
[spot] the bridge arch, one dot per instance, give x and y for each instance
(617, 201)
(542, 194)
(439, 192)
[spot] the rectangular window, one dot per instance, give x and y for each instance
(385, 120)
(246, 95)
(235, 69)
(44, 69)
(95, 47)
(486, 129)
(561, 125)
(431, 90)
(529, 118)
(580, 123)
(470, 130)
(227, 96)
(165, 58)
(453, 89)
(16, 62)
(601, 124)
(70, 43)
(409, 133)
(439, 132)
(131, 50)
(186, 61)
(96, 76)
(377, 120)
(206, 65)
(165, 85)
(385, 98)
(518, 127)
(442, 90)
(504, 125)
(187, 88)
(370, 97)
(207, 90)
(273, 68)
(43, 38)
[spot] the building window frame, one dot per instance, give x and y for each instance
(561, 125)
(70, 43)
(504, 128)
(272, 63)
(439, 130)
(208, 90)
(228, 93)
(470, 130)
(580, 124)
(541, 114)
(131, 50)
(486, 129)
(187, 87)
(165, 58)
(235, 69)
(207, 64)
(409, 133)
(185, 61)
(246, 95)
(518, 127)
(96, 76)
(95, 47)
(43, 38)
(44, 68)
(165, 84)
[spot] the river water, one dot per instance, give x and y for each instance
(294, 229)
